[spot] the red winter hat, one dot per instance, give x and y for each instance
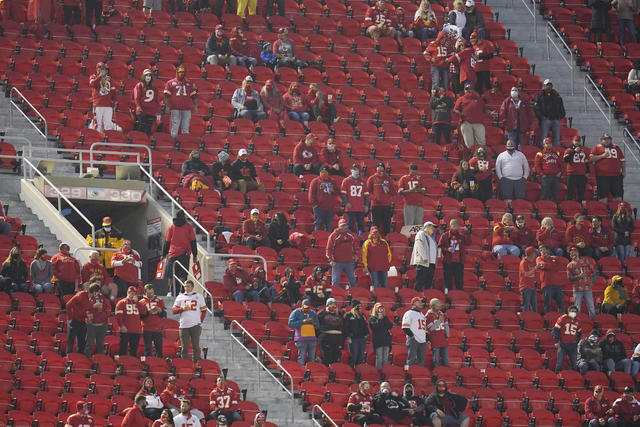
(530, 250)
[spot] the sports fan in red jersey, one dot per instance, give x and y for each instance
(452, 244)
(582, 274)
(464, 58)
(550, 236)
(437, 53)
(330, 157)
(322, 196)
(306, 159)
(553, 275)
(77, 308)
(342, 253)
(128, 313)
(609, 166)
(413, 188)
(380, 20)
(483, 52)
(180, 98)
(81, 418)
(315, 287)
(66, 271)
(566, 334)
(103, 94)
(135, 415)
(576, 159)
(471, 108)
(171, 395)
(516, 114)
(381, 188)
(146, 99)
(152, 323)
(601, 238)
(549, 168)
(578, 234)
(360, 405)
(95, 269)
(223, 400)
(438, 330)
(179, 243)
(239, 283)
(97, 319)
(356, 199)
(528, 280)
(526, 235)
(127, 265)
(482, 165)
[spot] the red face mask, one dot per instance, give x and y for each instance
(95, 261)
(441, 389)
(164, 418)
(331, 308)
(127, 251)
(64, 251)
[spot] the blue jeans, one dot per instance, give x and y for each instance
(585, 367)
(515, 136)
(621, 365)
(379, 278)
(356, 219)
(39, 288)
(322, 219)
(440, 356)
(247, 61)
(427, 33)
(348, 269)
(19, 287)
(501, 250)
(567, 349)
(449, 420)
(382, 356)
(299, 116)
(551, 293)
(239, 296)
(253, 115)
(268, 292)
(416, 352)
(626, 23)
(547, 125)
(529, 300)
(623, 252)
(306, 351)
(356, 351)
(578, 296)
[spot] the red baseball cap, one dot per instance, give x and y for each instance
(132, 289)
(416, 299)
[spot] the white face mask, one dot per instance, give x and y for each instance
(355, 174)
(572, 314)
(103, 72)
(107, 229)
(514, 93)
(147, 78)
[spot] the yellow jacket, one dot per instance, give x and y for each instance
(113, 240)
(612, 295)
(376, 255)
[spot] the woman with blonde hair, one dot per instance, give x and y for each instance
(623, 226)
(14, 275)
(380, 326)
(425, 23)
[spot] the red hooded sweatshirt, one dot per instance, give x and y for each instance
(342, 246)
(322, 193)
(553, 271)
(303, 154)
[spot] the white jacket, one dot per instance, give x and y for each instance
(425, 250)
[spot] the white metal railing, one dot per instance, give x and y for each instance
(35, 110)
(260, 355)
(632, 147)
(326, 416)
(195, 281)
(589, 84)
(534, 14)
(149, 164)
(60, 195)
(552, 31)
(213, 256)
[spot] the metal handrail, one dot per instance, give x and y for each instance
(35, 110)
(608, 117)
(174, 204)
(8, 138)
(327, 417)
(533, 13)
(60, 196)
(551, 29)
(120, 144)
(220, 255)
(196, 281)
(636, 145)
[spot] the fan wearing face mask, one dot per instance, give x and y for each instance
(355, 197)
(393, 407)
(108, 236)
(81, 418)
(360, 405)
(445, 408)
(590, 353)
(566, 334)
(146, 99)
(516, 114)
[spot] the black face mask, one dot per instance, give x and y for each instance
(409, 394)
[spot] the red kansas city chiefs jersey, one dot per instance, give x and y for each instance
(568, 329)
(181, 94)
(610, 166)
(577, 164)
(225, 399)
(359, 399)
(77, 420)
(355, 190)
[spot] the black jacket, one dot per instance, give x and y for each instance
(380, 331)
(390, 405)
(433, 402)
(475, 20)
(600, 16)
(549, 106)
(613, 350)
(330, 321)
(17, 271)
(213, 47)
(441, 109)
(194, 166)
(242, 170)
(355, 327)
(219, 171)
(277, 232)
(620, 227)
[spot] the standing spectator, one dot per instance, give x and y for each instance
(330, 157)
(441, 105)
(505, 237)
(552, 278)
(623, 226)
(609, 167)
(512, 169)
(356, 332)
(81, 417)
(5, 227)
(463, 183)
(146, 99)
(380, 20)
(284, 51)
(193, 165)
(14, 274)
(483, 51)
(249, 5)
(305, 322)
(179, 244)
(548, 167)
(330, 332)
(254, 231)
(269, 8)
(103, 94)
(243, 174)
(192, 309)
(412, 187)
(601, 239)
(438, 330)
(360, 405)
(279, 231)
(526, 235)
(356, 199)
(218, 48)
(305, 157)
(414, 325)
(566, 334)
(321, 110)
(381, 188)
(128, 313)
(127, 265)
(376, 258)
(97, 314)
(616, 297)
(598, 410)
(474, 21)
(322, 196)
(528, 280)
(470, 107)
(600, 21)
(238, 282)
(589, 353)
(272, 102)
(66, 271)
(633, 78)
(452, 244)
(582, 273)
(549, 109)
(380, 326)
(578, 234)
(445, 408)
(135, 415)
(245, 53)
(152, 323)
(614, 354)
(41, 273)
(481, 165)
(437, 53)
(72, 14)
(550, 236)
(456, 17)
(627, 409)
(223, 400)
(515, 112)
(424, 256)
(186, 418)
(77, 308)
(315, 287)
(247, 101)
(464, 58)
(425, 22)
(94, 270)
(180, 98)
(576, 159)
(296, 104)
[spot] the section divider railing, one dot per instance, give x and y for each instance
(19, 94)
(326, 417)
(551, 32)
(589, 84)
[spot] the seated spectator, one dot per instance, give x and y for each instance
(290, 288)
(549, 236)
(463, 183)
(616, 297)
(614, 355)
(243, 174)
(474, 20)
(305, 157)
(241, 48)
(322, 110)
(266, 291)
(589, 353)
(601, 239)
(296, 104)
(284, 51)
(254, 231)
(221, 172)
(279, 231)
(5, 227)
(446, 408)
(380, 20)
(393, 407)
(267, 57)
(623, 226)
(194, 165)
(505, 237)
(404, 25)
(526, 236)
(223, 400)
(578, 234)
(598, 411)
(14, 274)
(633, 79)
(425, 23)
(272, 102)
(247, 103)
(330, 157)
(315, 287)
(360, 406)
(239, 283)
(41, 273)
(482, 165)
(218, 49)
(154, 406)
(456, 17)
(626, 408)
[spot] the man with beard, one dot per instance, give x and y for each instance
(223, 400)
(445, 408)
(393, 407)
(185, 418)
(135, 415)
